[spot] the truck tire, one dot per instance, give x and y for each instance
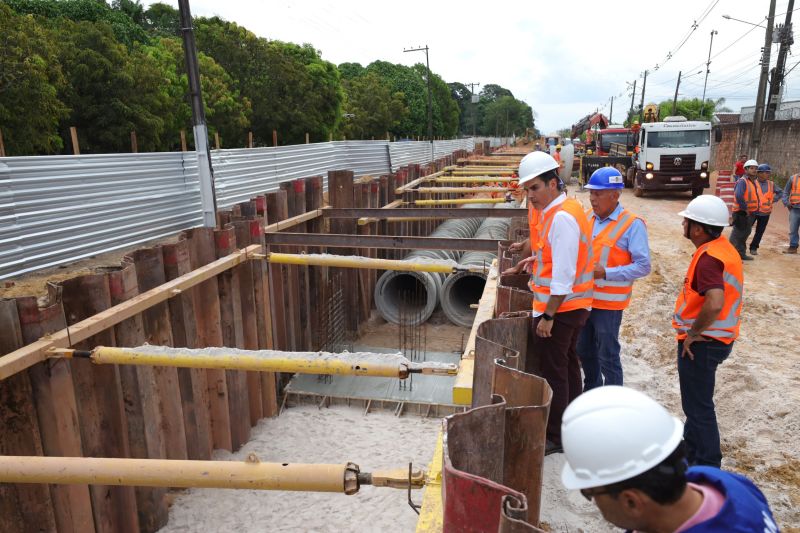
(630, 175)
(697, 191)
(637, 190)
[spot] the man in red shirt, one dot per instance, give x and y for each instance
(738, 168)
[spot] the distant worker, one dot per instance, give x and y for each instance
(791, 199)
(706, 320)
(738, 168)
(562, 284)
(767, 194)
(744, 208)
(622, 254)
(557, 157)
(624, 451)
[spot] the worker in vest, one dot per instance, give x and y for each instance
(766, 194)
(622, 254)
(744, 208)
(791, 199)
(557, 157)
(706, 322)
(562, 281)
(624, 451)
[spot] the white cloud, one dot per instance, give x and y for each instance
(565, 59)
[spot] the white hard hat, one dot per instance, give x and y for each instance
(613, 433)
(750, 163)
(535, 164)
(707, 209)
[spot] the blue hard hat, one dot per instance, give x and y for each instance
(763, 167)
(606, 178)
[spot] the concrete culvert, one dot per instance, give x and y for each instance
(462, 289)
(393, 287)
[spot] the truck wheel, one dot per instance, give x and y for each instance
(637, 190)
(630, 175)
(697, 191)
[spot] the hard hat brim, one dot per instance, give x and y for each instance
(572, 481)
(614, 187)
(684, 214)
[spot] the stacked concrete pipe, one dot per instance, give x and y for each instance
(462, 289)
(393, 284)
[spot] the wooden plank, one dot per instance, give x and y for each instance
(340, 189)
(411, 184)
(294, 221)
(233, 336)
(23, 506)
(35, 352)
(299, 190)
(141, 399)
(421, 212)
(276, 205)
(209, 333)
(293, 279)
(193, 382)
(316, 274)
(56, 409)
(158, 331)
(101, 413)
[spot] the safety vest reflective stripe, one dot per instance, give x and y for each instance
(687, 307)
(765, 199)
(794, 195)
(750, 196)
(582, 286)
(612, 295)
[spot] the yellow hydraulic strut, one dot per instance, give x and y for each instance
(353, 364)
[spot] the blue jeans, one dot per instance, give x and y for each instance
(697, 378)
(794, 226)
(598, 349)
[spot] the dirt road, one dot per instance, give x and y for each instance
(757, 392)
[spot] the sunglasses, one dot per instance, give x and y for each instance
(591, 493)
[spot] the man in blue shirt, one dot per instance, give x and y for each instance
(744, 210)
(624, 451)
(791, 199)
(622, 254)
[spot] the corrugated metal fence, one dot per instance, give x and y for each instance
(57, 209)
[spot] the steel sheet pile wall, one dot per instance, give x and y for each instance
(57, 209)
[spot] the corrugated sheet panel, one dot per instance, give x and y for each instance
(55, 209)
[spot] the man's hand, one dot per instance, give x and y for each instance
(544, 328)
(690, 339)
(516, 247)
(524, 265)
(599, 272)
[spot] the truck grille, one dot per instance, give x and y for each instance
(687, 162)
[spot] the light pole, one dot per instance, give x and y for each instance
(708, 64)
(430, 105)
(474, 100)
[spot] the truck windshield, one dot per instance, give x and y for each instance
(678, 139)
(608, 138)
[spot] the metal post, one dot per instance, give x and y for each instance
(611, 111)
(708, 64)
(473, 102)
(758, 118)
(633, 95)
(208, 198)
(778, 75)
(430, 104)
(641, 109)
(675, 100)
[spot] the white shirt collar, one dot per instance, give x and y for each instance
(558, 201)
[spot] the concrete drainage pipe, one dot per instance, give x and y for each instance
(394, 288)
(462, 289)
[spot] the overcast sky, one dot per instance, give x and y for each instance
(564, 66)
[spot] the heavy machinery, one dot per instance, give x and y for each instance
(614, 134)
(589, 125)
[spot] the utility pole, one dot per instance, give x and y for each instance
(786, 39)
(430, 105)
(641, 108)
(208, 198)
(633, 95)
(611, 111)
(708, 70)
(474, 101)
(758, 117)
(675, 100)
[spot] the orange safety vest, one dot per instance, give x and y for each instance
(794, 194)
(765, 198)
(534, 219)
(612, 295)
(581, 295)
(750, 196)
(726, 327)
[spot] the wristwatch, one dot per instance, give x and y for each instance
(547, 317)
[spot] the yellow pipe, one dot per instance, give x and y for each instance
(459, 201)
(250, 474)
(297, 362)
(459, 190)
(358, 262)
(475, 179)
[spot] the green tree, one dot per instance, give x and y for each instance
(405, 80)
(690, 108)
(445, 111)
(348, 71)
(506, 116)
(162, 20)
(492, 92)
(371, 109)
(30, 75)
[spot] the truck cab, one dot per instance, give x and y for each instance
(614, 135)
(673, 155)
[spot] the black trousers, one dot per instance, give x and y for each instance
(761, 227)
